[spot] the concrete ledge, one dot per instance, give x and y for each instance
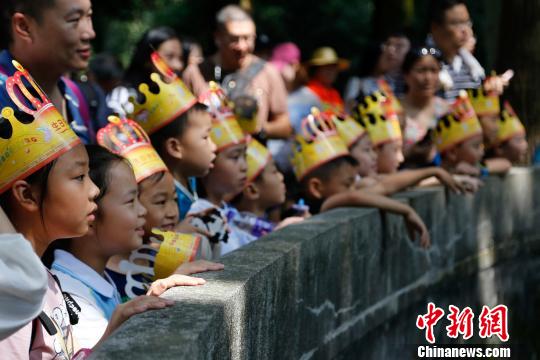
(316, 289)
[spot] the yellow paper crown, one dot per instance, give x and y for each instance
(509, 124)
(127, 139)
(225, 129)
(484, 103)
(378, 119)
(32, 131)
(317, 144)
(457, 126)
(349, 129)
(174, 250)
(371, 104)
(257, 156)
(392, 104)
(172, 99)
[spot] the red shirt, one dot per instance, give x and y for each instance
(330, 98)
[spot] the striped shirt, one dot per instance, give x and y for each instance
(462, 78)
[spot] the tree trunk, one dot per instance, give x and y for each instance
(519, 49)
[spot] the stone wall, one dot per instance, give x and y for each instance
(348, 283)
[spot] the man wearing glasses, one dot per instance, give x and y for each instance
(451, 28)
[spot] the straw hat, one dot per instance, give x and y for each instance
(327, 56)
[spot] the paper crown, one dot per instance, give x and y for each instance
(317, 144)
(370, 104)
(126, 138)
(509, 124)
(174, 250)
(392, 104)
(379, 120)
(225, 129)
(457, 126)
(257, 157)
(349, 129)
(32, 131)
(171, 100)
(484, 103)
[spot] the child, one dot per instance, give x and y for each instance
(179, 128)
(511, 142)
(226, 179)
(264, 191)
(118, 228)
(327, 174)
(458, 137)
(487, 108)
(359, 143)
(382, 124)
(156, 193)
(50, 172)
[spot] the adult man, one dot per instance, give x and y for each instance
(241, 73)
(451, 28)
(50, 38)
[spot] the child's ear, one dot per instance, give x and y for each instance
(251, 192)
(174, 148)
(315, 188)
(25, 196)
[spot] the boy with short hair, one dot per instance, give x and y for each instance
(511, 142)
(459, 138)
(264, 190)
(179, 128)
(327, 174)
(486, 104)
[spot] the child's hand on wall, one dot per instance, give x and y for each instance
(464, 168)
(291, 220)
(447, 180)
(415, 225)
(198, 266)
(158, 287)
(469, 183)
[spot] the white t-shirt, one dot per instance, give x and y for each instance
(85, 285)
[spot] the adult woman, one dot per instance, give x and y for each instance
(421, 106)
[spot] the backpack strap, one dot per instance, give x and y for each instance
(235, 84)
(84, 109)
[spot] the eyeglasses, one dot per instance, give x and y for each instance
(459, 24)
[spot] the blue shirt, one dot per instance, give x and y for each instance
(185, 197)
(75, 118)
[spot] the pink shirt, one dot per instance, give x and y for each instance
(59, 346)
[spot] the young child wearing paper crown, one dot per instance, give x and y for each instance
(179, 129)
(459, 139)
(511, 142)
(358, 140)
(264, 190)
(48, 162)
(487, 107)
(81, 263)
(226, 179)
(328, 173)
